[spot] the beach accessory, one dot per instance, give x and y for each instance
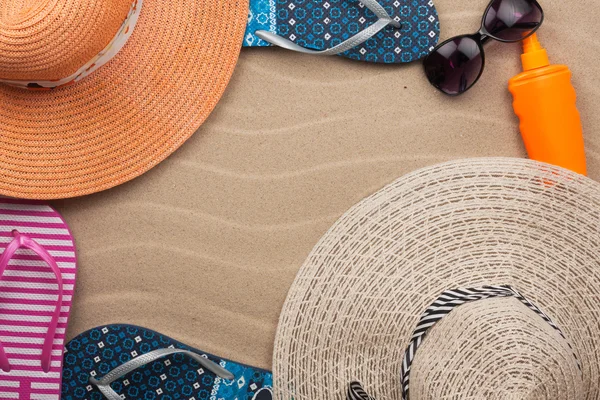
(457, 64)
(129, 362)
(474, 279)
(37, 280)
(95, 93)
(544, 100)
(380, 31)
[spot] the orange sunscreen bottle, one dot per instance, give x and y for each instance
(544, 101)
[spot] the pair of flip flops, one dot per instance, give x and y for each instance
(38, 269)
(380, 31)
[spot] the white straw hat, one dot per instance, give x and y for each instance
(429, 289)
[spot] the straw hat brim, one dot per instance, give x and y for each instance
(129, 115)
(358, 297)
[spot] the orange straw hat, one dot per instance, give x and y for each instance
(94, 93)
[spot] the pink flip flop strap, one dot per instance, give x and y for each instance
(23, 241)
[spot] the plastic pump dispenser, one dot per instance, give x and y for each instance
(544, 101)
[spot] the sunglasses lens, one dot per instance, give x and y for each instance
(455, 65)
(511, 20)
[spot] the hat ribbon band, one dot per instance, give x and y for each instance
(445, 303)
(107, 54)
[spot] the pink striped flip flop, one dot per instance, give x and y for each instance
(37, 280)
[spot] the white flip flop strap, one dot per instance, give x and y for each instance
(384, 20)
(103, 384)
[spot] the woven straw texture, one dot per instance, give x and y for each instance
(51, 39)
(126, 117)
(355, 302)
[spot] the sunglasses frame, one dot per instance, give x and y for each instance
(483, 31)
(481, 37)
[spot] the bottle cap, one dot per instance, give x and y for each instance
(534, 55)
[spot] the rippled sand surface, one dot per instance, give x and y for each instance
(205, 246)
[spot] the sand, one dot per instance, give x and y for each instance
(205, 246)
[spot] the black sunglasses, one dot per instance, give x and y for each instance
(457, 64)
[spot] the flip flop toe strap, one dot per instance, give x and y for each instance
(103, 384)
(24, 241)
(384, 20)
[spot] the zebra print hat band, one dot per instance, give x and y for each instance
(444, 304)
(354, 305)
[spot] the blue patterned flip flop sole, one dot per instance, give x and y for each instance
(322, 24)
(100, 350)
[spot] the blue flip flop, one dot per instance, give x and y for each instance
(380, 31)
(116, 362)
